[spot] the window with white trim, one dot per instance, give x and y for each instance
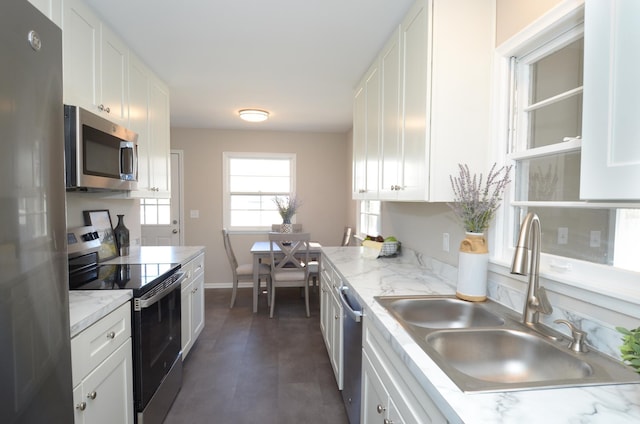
(369, 222)
(155, 211)
(544, 142)
(251, 182)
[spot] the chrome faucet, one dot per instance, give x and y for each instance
(529, 244)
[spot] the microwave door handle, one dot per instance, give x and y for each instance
(131, 159)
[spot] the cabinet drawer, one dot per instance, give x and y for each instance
(197, 266)
(96, 343)
(193, 269)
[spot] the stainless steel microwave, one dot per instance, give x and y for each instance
(99, 155)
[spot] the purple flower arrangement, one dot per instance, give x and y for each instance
(475, 199)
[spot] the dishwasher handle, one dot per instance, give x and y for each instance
(354, 315)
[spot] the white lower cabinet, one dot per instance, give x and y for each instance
(101, 362)
(192, 303)
(390, 394)
(331, 317)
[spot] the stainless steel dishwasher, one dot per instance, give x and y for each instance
(352, 351)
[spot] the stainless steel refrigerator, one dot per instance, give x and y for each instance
(35, 359)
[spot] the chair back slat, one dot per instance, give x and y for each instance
(294, 247)
(346, 237)
(229, 250)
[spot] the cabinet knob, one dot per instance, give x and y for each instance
(387, 421)
(102, 108)
(111, 335)
(380, 409)
(337, 317)
(81, 406)
(92, 395)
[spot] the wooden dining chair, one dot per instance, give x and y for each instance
(289, 254)
(242, 272)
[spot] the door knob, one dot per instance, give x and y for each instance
(175, 231)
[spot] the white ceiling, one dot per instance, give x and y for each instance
(298, 59)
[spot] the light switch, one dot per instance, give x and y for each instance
(194, 213)
(563, 235)
(594, 239)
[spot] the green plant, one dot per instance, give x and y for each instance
(630, 349)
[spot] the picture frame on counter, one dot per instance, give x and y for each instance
(101, 221)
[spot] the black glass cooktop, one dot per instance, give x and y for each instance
(138, 277)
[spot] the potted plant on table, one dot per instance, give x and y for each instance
(287, 208)
(475, 203)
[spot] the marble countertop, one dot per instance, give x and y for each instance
(158, 254)
(406, 275)
(88, 306)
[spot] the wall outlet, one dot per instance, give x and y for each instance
(445, 242)
(594, 239)
(563, 235)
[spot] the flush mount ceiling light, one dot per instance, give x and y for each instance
(253, 115)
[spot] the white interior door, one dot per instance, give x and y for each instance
(169, 233)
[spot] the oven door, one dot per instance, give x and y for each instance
(157, 343)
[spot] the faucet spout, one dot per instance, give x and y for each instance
(529, 245)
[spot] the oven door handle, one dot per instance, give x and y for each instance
(354, 315)
(155, 297)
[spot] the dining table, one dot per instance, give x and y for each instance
(261, 251)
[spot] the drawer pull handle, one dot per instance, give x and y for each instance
(81, 406)
(380, 409)
(92, 395)
(111, 335)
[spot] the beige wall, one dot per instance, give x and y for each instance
(77, 202)
(514, 15)
(322, 180)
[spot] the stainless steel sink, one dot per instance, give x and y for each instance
(440, 312)
(483, 347)
(507, 356)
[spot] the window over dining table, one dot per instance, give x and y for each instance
(251, 182)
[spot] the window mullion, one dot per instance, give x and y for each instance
(572, 144)
(552, 100)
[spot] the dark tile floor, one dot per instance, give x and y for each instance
(246, 368)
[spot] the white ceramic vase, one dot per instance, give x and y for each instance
(473, 264)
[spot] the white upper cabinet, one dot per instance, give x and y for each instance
(102, 75)
(435, 85)
(149, 117)
(81, 56)
(52, 9)
(415, 38)
(366, 133)
(114, 84)
(610, 165)
(391, 141)
(95, 64)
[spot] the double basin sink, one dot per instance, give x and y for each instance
(483, 347)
